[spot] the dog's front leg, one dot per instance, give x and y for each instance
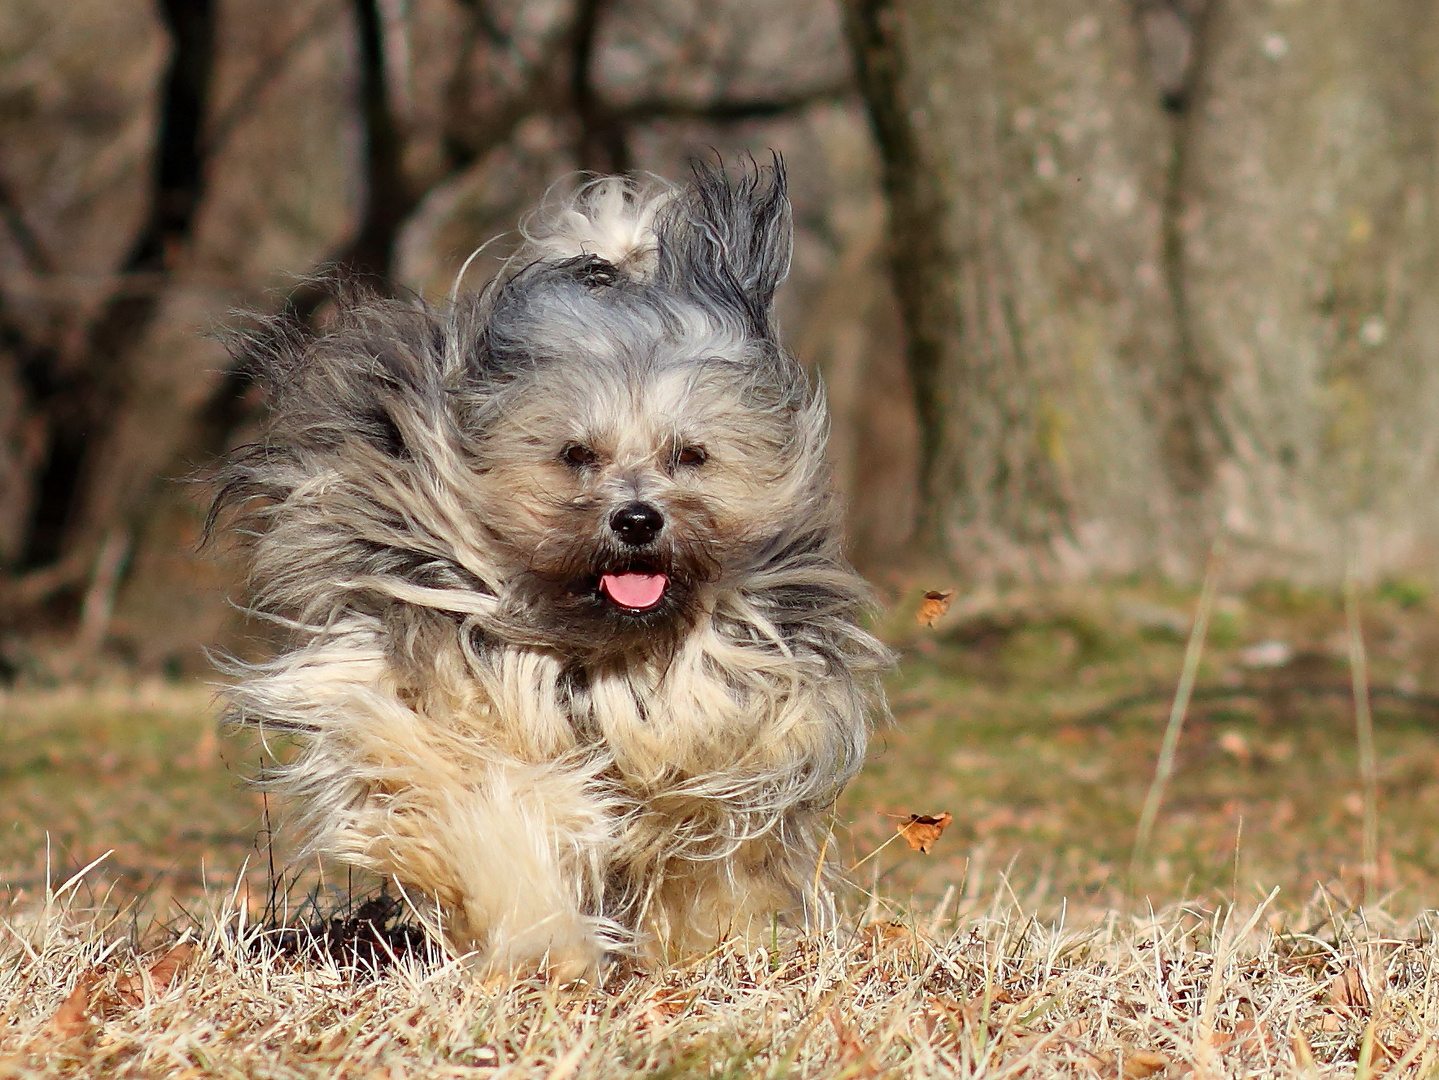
(512, 852)
(529, 849)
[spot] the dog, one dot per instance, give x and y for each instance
(574, 654)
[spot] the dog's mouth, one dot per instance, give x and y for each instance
(636, 590)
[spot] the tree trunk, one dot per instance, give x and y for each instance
(1310, 249)
(1148, 314)
(1027, 156)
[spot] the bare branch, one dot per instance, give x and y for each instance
(242, 105)
(602, 146)
(729, 111)
(29, 244)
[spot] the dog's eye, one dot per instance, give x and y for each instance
(691, 455)
(578, 455)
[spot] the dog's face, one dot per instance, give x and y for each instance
(643, 442)
(607, 446)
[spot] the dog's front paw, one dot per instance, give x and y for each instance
(572, 963)
(564, 953)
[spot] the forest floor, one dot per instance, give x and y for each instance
(1258, 934)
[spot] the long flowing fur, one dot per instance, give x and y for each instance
(432, 506)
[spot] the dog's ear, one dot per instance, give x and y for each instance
(374, 373)
(727, 240)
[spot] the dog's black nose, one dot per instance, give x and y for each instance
(637, 524)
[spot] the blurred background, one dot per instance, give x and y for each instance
(1092, 287)
(1102, 293)
(162, 164)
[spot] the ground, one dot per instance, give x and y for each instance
(1029, 940)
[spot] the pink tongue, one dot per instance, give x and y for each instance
(638, 591)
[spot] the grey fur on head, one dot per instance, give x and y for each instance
(576, 654)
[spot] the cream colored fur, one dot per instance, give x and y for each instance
(612, 217)
(559, 780)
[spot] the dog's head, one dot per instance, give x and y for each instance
(606, 447)
(643, 442)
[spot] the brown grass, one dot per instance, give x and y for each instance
(987, 991)
(1015, 948)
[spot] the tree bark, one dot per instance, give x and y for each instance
(1310, 250)
(277, 198)
(1027, 161)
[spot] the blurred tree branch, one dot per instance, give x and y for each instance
(430, 94)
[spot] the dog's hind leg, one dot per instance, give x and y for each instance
(694, 904)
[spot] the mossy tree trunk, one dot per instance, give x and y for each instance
(1310, 250)
(1144, 315)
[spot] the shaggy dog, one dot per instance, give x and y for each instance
(575, 653)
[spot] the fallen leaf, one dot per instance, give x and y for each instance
(1236, 746)
(73, 1015)
(933, 606)
(163, 972)
(1347, 989)
(166, 969)
(921, 830)
(661, 1007)
(934, 1027)
(1137, 1064)
(1141, 1063)
(669, 1003)
(1248, 1037)
(891, 935)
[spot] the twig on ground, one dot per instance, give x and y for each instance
(1364, 734)
(1113, 709)
(1164, 767)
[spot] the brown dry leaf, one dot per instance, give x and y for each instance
(920, 831)
(891, 935)
(930, 1027)
(1248, 1037)
(670, 1003)
(851, 1048)
(1141, 1063)
(73, 1016)
(963, 1013)
(1347, 989)
(663, 1006)
(1138, 1064)
(933, 606)
(163, 972)
(166, 969)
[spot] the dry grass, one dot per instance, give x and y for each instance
(988, 992)
(1018, 947)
